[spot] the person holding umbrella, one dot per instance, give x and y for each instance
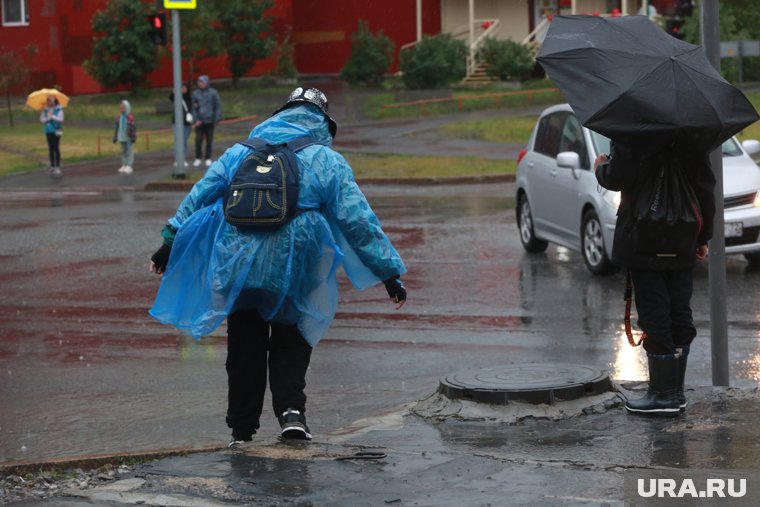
(50, 102)
(665, 108)
(663, 282)
(52, 118)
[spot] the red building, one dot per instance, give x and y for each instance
(321, 31)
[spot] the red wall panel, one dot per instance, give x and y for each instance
(322, 30)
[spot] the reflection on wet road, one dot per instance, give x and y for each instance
(79, 355)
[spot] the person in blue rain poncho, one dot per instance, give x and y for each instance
(277, 289)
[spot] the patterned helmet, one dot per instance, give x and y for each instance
(311, 96)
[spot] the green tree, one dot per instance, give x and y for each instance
(371, 57)
(200, 37)
(506, 59)
(434, 62)
(122, 52)
(739, 20)
(245, 32)
(14, 72)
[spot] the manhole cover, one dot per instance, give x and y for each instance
(533, 383)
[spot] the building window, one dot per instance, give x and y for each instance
(15, 12)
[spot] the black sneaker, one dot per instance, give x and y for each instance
(240, 438)
(293, 424)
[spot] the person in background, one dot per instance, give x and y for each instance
(52, 118)
(187, 117)
(126, 134)
(663, 284)
(207, 111)
(278, 289)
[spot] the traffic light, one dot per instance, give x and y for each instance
(157, 32)
(673, 27)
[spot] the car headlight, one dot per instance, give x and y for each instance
(613, 198)
(757, 200)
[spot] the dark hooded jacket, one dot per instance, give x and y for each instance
(629, 174)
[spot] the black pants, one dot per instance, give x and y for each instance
(252, 344)
(663, 300)
(205, 130)
(54, 143)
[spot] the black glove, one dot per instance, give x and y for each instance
(395, 288)
(161, 258)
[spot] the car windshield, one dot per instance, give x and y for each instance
(601, 143)
(730, 148)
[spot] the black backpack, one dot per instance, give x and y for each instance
(668, 216)
(263, 193)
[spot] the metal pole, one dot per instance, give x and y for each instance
(419, 20)
(717, 259)
(471, 52)
(179, 113)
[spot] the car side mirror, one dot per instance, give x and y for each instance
(569, 160)
(751, 146)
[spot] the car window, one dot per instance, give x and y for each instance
(548, 134)
(572, 139)
(601, 143)
(731, 148)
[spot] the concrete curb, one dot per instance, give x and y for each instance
(98, 460)
(184, 186)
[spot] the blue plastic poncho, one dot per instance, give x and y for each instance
(288, 275)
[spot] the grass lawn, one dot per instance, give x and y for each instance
(24, 147)
(371, 165)
(517, 129)
(89, 127)
(509, 129)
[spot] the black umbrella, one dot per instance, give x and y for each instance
(630, 81)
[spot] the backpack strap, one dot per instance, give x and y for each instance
(627, 319)
(297, 144)
(300, 143)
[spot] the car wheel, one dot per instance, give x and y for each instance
(592, 245)
(525, 223)
(753, 258)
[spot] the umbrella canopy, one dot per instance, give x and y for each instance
(630, 81)
(38, 99)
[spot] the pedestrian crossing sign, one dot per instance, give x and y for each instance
(179, 4)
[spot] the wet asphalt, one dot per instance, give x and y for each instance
(87, 373)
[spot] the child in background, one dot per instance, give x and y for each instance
(126, 134)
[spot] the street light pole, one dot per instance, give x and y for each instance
(717, 260)
(179, 114)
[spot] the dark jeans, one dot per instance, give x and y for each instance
(663, 301)
(250, 348)
(205, 130)
(54, 143)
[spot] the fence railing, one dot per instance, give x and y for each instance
(145, 136)
(460, 100)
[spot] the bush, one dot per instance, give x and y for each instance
(506, 59)
(371, 57)
(434, 62)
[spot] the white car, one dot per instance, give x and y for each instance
(560, 201)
